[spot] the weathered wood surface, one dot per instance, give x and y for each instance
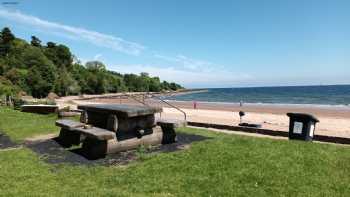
(68, 124)
(41, 109)
(96, 133)
(126, 127)
(77, 127)
(63, 114)
(114, 146)
(95, 149)
(168, 128)
(121, 110)
(172, 123)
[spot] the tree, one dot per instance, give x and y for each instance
(6, 87)
(5, 42)
(115, 83)
(60, 55)
(165, 86)
(154, 84)
(35, 42)
(41, 73)
(95, 66)
(65, 84)
(18, 77)
(6, 35)
(173, 86)
(38, 70)
(17, 53)
(50, 44)
(40, 81)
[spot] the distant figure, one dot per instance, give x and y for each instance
(194, 105)
(241, 103)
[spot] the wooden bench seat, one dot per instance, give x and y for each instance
(78, 128)
(68, 124)
(96, 133)
(171, 123)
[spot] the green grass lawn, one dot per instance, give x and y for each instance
(225, 165)
(19, 125)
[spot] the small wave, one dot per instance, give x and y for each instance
(268, 104)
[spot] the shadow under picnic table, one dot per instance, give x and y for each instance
(52, 152)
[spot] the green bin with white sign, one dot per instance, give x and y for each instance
(301, 126)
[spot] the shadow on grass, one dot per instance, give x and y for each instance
(52, 152)
(6, 142)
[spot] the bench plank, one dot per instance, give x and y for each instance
(68, 124)
(96, 133)
(172, 123)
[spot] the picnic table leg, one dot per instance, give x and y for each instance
(68, 138)
(169, 134)
(94, 149)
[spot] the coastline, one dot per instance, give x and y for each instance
(341, 111)
(334, 120)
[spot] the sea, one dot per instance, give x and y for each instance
(305, 95)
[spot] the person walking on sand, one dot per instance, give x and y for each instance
(194, 104)
(241, 103)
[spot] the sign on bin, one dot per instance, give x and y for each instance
(298, 127)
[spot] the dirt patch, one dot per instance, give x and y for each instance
(40, 138)
(51, 152)
(6, 142)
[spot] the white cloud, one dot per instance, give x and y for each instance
(187, 62)
(97, 57)
(93, 37)
(187, 78)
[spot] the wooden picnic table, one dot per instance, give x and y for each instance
(110, 128)
(127, 121)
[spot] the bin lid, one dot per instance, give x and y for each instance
(303, 116)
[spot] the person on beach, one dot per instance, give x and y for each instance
(194, 105)
(241, 103)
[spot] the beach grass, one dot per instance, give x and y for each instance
(223, 165)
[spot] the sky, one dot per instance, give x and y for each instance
(199, 44)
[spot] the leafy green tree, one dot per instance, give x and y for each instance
(115, 83)
(41, 74)
(60, 55)
(95, 66)
(165, 85)
(5, 42)
(6, 87)
(79, 73)
(38, 70)
(155, 85)
(35, 41)
(18, 77)
(65, 84)
(173, 86)
(17, 53)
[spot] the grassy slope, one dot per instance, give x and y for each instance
(20, 125)
(225, 165)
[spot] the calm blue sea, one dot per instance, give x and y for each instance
(319, 95)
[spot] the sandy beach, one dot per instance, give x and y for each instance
(334, 120)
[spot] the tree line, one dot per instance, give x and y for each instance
(36, 69)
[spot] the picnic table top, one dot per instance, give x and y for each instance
(121, 110)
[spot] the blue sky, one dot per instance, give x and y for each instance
(199, 43)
